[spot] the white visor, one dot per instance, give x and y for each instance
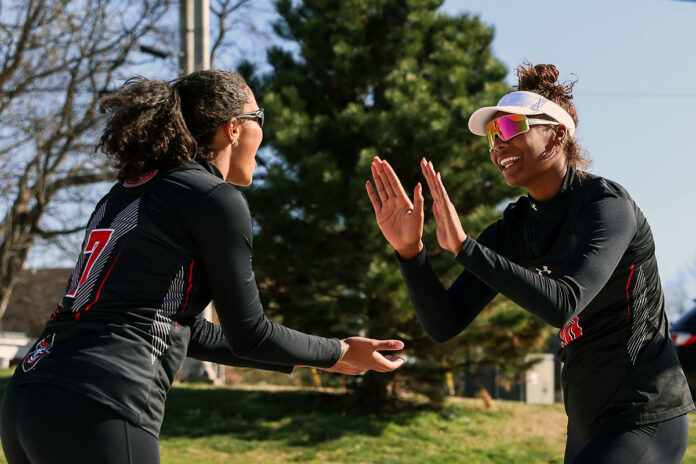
(520, 102)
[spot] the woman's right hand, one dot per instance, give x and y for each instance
(360, 354)
(400, 221)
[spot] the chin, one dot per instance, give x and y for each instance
(511, 182)
(240, 183)
(240, 178)
(515, 181)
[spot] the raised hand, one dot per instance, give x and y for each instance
(400, 221)
(450, 234)
(361, 354)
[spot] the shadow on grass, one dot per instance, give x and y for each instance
(296, 418)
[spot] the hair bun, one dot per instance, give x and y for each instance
(543, 79)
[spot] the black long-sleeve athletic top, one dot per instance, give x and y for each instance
(156, 251)
(583, 261)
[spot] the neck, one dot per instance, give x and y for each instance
(222, 161)
(547, 184)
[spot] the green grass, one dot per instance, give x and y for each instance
(209, 425)
(241, 426)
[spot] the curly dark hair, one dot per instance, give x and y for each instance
(543, 80)
(154, 124)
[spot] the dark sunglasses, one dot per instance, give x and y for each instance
(258, 115)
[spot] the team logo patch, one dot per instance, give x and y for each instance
(571, 331)
(40, 350)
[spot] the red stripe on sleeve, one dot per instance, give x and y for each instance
(628, 296)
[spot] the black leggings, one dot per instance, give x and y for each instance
(659, 443)
(47, 424)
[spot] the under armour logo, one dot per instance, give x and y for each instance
(534, 206)
(539, 103)
(543, 270)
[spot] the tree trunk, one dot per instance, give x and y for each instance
(374, 389)
(484, 395)
(14, 250)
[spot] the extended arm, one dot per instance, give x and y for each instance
(224, 236)
(607, 226)
(225, 244)
(208, 344)
(444, 313)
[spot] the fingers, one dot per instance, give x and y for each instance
(384, 364)
(394, 182)
(435, 184)
(379, 181)
(418, 199)
(429, 174)
(374, 198)
(441, 188)
(387, 345)
(384, 177)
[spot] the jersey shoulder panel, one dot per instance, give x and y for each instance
(182, 193)
(191, 178)
(226, 198)
(593, 188)
(226, 212)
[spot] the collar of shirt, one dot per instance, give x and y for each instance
(541, 208)
(210, 167)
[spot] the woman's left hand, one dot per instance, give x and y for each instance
(450, 234)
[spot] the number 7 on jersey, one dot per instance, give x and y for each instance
(96, 242)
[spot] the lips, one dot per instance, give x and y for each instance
(506, 161)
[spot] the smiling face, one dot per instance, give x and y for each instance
(533, 159)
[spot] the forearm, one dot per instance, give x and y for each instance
(553, 300)
(208, 344)
(268, 341)
(443, 313)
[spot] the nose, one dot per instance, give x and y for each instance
(497, 144)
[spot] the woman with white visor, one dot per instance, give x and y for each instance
(577, 252)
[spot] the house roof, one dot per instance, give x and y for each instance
(33, 300)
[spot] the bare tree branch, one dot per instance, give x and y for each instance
(56, 58)
(223, 10)
(76, 51)
(53, 233)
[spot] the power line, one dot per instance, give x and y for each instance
(636, 94)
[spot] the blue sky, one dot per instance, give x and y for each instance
(636, 97)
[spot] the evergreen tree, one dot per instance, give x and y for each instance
(362, 78)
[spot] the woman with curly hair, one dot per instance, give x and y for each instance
(575, 251)
(173, 234)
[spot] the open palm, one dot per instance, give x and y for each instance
(450, 234)
(400, 221)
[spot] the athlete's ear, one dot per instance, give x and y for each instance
(560, 134)
(232, 131)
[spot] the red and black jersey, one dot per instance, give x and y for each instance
(157, 250)
(583, 261)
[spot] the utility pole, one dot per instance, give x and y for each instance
(194, 55)
(194, 31)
